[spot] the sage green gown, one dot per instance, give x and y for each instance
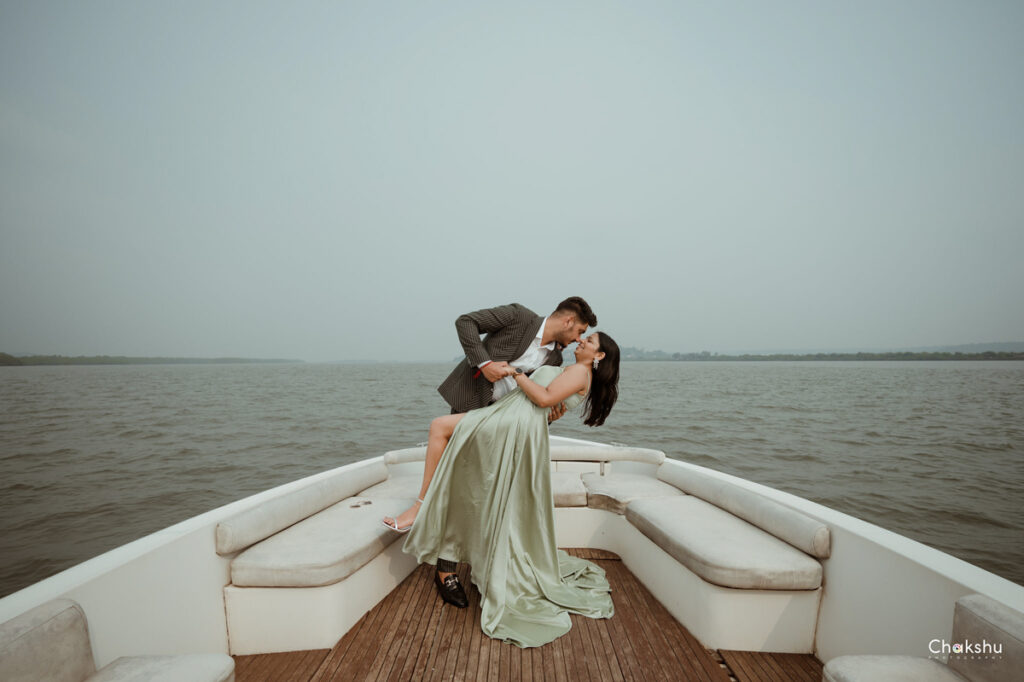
(490, 505)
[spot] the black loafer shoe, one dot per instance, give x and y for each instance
(451, 590)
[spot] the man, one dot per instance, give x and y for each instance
(515, 337)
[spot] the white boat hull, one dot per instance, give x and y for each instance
(165, 594)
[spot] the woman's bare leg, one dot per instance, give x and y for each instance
(441, 430)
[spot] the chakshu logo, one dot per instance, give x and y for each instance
(966, 648)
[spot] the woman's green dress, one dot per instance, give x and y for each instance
(490, 505)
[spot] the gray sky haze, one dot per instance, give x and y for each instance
(340, 180)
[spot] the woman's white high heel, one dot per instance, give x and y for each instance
(394, 521)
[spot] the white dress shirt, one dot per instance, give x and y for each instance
(530, 360)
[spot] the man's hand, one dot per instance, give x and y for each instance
(495, 371)
(556, 412)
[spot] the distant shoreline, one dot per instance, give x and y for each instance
(904, 356)
(35, 360)
(642, 356)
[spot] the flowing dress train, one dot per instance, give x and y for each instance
(490, 505)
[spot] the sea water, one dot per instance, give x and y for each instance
(92, 457)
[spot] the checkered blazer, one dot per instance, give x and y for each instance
(509, 329)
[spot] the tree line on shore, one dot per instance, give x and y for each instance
(6, 359)
(628, 354)
(705, 356)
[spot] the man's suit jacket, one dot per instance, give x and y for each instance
(509, 329)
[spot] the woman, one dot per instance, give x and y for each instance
(489, 501)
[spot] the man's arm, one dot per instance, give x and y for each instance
(471, 325)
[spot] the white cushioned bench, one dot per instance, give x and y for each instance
(977, 619)
(567, 489)
(712, 551)
(322, 549)
(402, 487)
(733, 537)
(263, 520)
(605, 477)
(51, 642)
(317, 535)
(806, 534)
(310, 562)
(721, 548)
(614, 492)
(739, 570)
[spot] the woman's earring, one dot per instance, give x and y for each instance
(596, 361)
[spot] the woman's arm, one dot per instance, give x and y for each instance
(572, 380)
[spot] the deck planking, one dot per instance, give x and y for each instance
(413, 635)
(751, 666)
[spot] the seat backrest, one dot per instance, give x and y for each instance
(799, 530)
(416, 454)
(263, 520)
(991, 639)
(49, 642)
(596, 453)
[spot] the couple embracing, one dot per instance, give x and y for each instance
(486, 495)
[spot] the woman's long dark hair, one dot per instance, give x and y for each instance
(604, 385)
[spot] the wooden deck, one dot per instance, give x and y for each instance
(412, 635)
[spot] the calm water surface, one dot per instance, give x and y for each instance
(94, 457)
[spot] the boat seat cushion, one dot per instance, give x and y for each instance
(721, 548)
(977, 619)
(405, 487)
(48, 642)
(322, 549)
(51, 642)
(613, 492)
(875, 668)
(191, 667)
(803, 532)
(568, 490)
(263, 520)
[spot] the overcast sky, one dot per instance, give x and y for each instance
(340, 180)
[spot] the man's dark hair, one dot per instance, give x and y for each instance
(578, 307)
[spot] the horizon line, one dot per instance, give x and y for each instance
(226, 359)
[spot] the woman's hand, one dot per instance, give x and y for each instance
(556, 412)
